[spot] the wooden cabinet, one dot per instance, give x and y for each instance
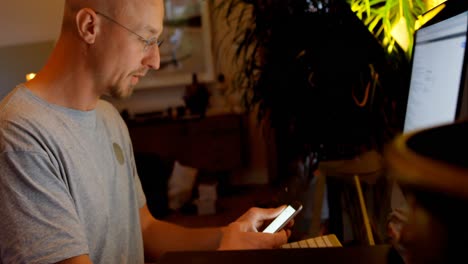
(213, 143)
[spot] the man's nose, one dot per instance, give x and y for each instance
(152, 58)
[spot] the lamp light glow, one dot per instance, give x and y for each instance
(30, 76)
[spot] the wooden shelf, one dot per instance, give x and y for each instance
(213, 143)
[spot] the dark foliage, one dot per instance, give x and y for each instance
(321, 78)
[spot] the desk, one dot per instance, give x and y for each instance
(382, 254)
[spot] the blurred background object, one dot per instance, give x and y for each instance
(431, 167)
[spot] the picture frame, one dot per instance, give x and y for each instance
(187, 47)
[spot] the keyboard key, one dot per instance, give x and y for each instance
(287, 245)
(327, 241)
(295, 245)
(334, 240)
(316, 242)
(320, 242)
(303, 244)
(311, 242)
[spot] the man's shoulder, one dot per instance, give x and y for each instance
(9, 102)
(18, 107)
(21, 120)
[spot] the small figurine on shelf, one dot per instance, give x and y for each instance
(196, 97)
(218, 101)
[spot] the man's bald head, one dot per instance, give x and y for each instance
(103, 5)
(105, 42)
(110, 7)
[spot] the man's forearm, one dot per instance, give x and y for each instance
(160, 237)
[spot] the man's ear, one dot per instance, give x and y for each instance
(87, 25)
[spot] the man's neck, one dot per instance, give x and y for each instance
(65, 83)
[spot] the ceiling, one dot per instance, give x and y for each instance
(26, 21)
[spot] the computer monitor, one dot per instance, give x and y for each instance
(438, 92)
(438, 86)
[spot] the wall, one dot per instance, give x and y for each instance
(16, 61)
(28, 29)
(26, 21)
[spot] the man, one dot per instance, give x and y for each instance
(69, 191)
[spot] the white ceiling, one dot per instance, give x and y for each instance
(28, 21)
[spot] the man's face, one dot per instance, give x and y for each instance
(128, 57)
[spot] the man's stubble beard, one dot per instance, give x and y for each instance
(121, 92)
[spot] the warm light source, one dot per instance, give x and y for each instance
(30, 76)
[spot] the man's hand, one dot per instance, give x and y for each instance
(244, 232)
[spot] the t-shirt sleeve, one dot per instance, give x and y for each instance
(38, 217)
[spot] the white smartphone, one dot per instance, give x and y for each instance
(283, 218)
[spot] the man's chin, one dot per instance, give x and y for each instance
(121, 93)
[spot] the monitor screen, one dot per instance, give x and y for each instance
(437, 73)
(438, 91)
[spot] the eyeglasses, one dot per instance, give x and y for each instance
(149, 43)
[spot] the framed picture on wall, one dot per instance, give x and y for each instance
(187, 47)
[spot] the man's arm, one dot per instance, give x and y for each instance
(160, 236)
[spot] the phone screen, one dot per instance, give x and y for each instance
(282, 219)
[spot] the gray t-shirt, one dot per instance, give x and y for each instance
(68, 183)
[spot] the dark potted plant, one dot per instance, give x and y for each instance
(315, 73)
(321, 80)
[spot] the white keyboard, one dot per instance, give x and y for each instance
(315, 242)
